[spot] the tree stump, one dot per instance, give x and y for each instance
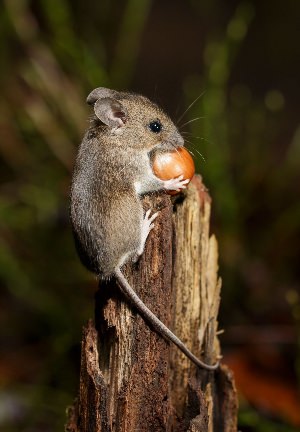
(131, 379)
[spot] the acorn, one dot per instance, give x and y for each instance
(168, 165)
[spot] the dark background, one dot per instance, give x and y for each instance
(241, 60)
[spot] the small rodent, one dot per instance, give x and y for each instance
(111, 172)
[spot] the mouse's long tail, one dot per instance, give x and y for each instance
(157, 324)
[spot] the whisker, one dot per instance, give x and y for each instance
(190, 121)
(204, 139)
(186, 133)
(190, 106)
(201, 155)
(196, 150)
(176, 149)
(200, 138)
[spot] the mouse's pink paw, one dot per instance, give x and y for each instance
(147, 222)
(176, 184)
(147, 226)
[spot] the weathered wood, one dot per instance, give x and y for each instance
(132, 380)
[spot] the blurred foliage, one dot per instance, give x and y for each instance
(53, 53)
(254, 178)
(250, 419)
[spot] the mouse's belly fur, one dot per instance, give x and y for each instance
(107, 234)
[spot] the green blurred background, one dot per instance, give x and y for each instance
(241, 59)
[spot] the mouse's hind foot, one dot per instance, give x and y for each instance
(147, 226)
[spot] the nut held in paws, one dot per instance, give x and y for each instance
(170, 165)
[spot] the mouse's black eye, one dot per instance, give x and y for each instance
(155, 126)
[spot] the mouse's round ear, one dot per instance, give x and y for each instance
(111, 112)
(100, 93)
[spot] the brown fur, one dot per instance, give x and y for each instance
(106, 212)
(112, 169)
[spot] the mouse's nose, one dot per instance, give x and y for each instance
(177, 140)
(173, 140)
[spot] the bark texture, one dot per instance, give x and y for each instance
(131, 379)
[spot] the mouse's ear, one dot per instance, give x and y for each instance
(100, 93)
(110, 112)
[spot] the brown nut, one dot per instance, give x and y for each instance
(173, 164)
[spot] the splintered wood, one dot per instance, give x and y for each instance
(131, 379)
(196, 289)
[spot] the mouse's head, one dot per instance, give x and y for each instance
(135, 118)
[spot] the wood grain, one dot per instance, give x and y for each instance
(131, 379)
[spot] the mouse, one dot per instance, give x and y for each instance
(112, 172)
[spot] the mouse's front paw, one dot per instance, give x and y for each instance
(176, 184)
